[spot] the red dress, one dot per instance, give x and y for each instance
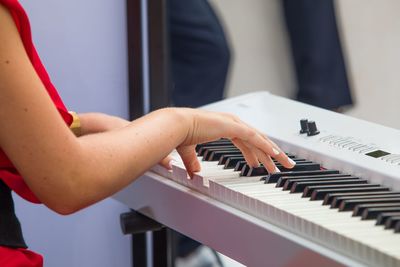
(8, 173)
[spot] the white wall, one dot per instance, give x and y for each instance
(261, 57)
(371, 35)
(370, 32)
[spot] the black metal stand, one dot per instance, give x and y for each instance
(158, 83)
(163, 240)
(158, 79)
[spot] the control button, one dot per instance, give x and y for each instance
(312, 128)
(304, 126)
(327, 138)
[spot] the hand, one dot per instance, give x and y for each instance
(205, 126)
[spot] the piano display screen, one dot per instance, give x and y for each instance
(377, 153)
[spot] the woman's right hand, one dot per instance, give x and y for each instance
(205, 126)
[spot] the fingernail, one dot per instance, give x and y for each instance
(291, 161)
(276, 151)
(277, 170)
(170, 165)
(256, 165)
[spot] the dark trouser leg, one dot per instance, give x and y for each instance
(199, 53)
(317, 53)
(199, 64)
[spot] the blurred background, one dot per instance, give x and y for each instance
(370, 37)
(83, 44)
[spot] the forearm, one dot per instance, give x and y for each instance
(99, 122)
(106, 162)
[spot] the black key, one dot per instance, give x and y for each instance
(329, 198)
(231, 162)
(397, 227)
(258, 171)
(224, 158)
(273, 177)
(359, 209)
(216, 155)
(296, 160)
(287, 181)
(309, 189)
(240, 165)
(208, 151)
(253, 171)
(391, 222)
(350, 204)
(215, 143)
(320, 194)
(382, 217)
(371, 211)
(246, 168)
(337, 201)
(202, 151)
(302, 167)
(301, 186)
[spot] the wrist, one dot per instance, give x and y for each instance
(75, 126)
(185, 118)
(179, 119)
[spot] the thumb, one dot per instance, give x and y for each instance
(189, 158)
(166, 162)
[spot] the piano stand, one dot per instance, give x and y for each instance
(163, 240)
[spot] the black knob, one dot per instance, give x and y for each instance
(312, 128)
(303, 126)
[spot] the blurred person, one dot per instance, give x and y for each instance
(200, 57)
(317, 53)
(200, 53)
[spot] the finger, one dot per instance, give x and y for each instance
(166, 162)
(282, 157)
(248, 154)
(263, 143)
(250, 136)
(266, 161)
(189, 158)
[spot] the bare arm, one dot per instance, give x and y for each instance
(99, 122)
(68, 173)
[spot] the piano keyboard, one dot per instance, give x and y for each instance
(343, 194)
(339, 210)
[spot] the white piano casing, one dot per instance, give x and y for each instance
(243, 234)
(279, 118)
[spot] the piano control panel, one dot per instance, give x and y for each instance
(350, 143)
(357, 146)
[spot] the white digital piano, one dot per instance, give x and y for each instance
(341, 207)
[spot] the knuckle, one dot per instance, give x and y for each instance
(235, 117)
(251, 133)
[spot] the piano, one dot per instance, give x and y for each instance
(339, 207)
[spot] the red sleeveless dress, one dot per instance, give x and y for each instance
(8, 173)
